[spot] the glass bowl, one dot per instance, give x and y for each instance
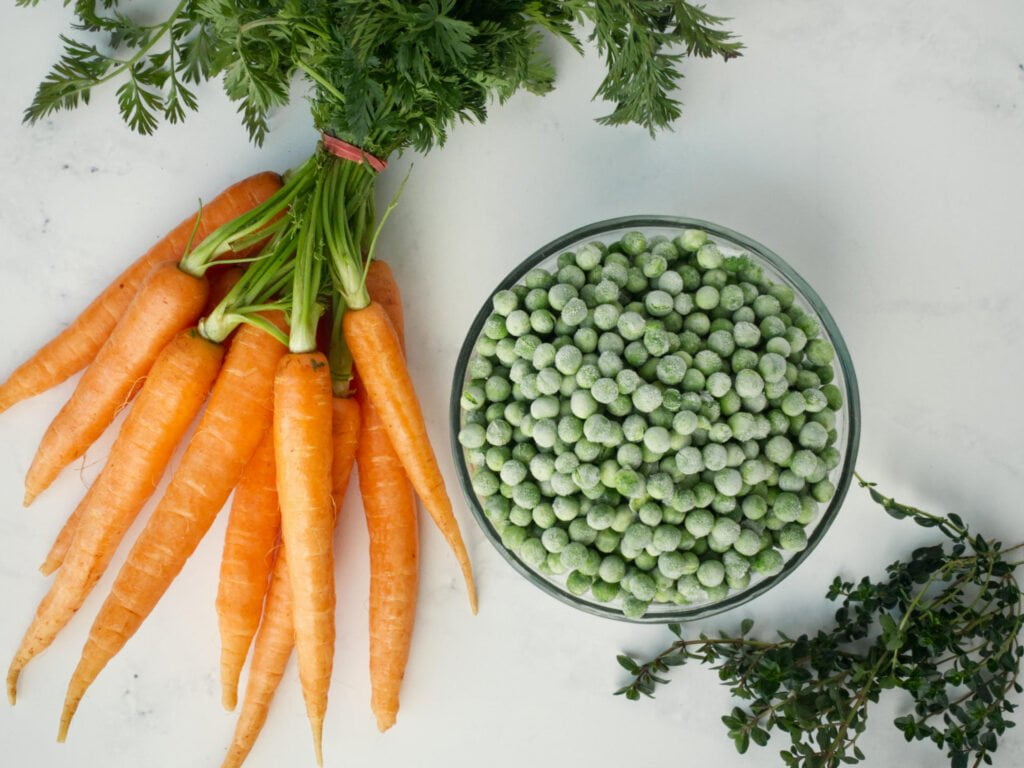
(847, 422)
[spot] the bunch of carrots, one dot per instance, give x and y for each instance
(233, 310)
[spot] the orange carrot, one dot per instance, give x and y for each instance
(168, 302)
(270, 655)
(246, 564)
(390, 507)
(177, 385)
(75, 347)
(303, 451)
(221, 283)
(55, 557)
(378, 357)
(229, 431)
(222, 280)
(345, 420)
(275, 639)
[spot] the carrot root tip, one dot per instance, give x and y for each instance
(12, 684)
(29, 498)
(229, 698)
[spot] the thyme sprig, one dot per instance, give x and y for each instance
(943, 627)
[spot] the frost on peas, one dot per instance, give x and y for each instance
(606, 316)
(728, 482)
(711, 573)
(612, 569)
(721, 342)
(690, 460)
(715, 457)
(582, 533)
(512, 472)
(823, 491)
(699, 522)
(574, 312)
(636, 283)
(659, 303)
(629, 482)
(560, 294)
(706, 298)
(747, 335)
(472, 436)
(786, 507)
(504, 302)
(542, 321)
(813, 436)
(585, 339)
(627, 381)
(631, 325)
(609, 364)
(650, 515)
(803, 464)
(748, 384)
(748, 543)
(543, 356)
(545, 407)
(629, 456)
(754, 507)
(815, 400)
(766, 305)
(647, 398)
(767, 562)
(772, 367)
(820, 352)
(725, 532)
(708, 256)
(485, 483)
(657, 440)
(634, 243)
(792, 537)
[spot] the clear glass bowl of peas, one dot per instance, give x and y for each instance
(654, 419)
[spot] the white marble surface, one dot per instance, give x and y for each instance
(877, 146)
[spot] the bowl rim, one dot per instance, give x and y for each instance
(852, 414)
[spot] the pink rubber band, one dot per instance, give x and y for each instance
(347, 151)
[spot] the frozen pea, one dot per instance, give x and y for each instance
(660, 485)
(542, 321)
(790, 481)
(637, 536)
(518, 322)
(543, 515)
(747, 543)
(629, 455)
(634, 243)
(512, 472)
(786, 507)
(833, 396)
(582, 404)
(819, 352)
(513, 536)
(754, 507)
(815, 401)
(586, 476)
(654, 265)
(709, 257)
(792, 537)
(588, 451)
(555, 539)
(545, 408)
(699, 523)
(831, 457)
(578, 583)
(721, 342)
(609, 364)
(697, 323)
(671, 369)
(650, 514)
(813, 436)
(612, 569)
(573, 555)
(485, 483)
(779, 450)
(549, 381)
(711, 573)
(631, 325)
(499, 432)
(748, 383)
(690, 460)
(766, 305)
(657, 440)
(630, 483)
(634, 608)
(600, 517)
(772, 367)
(606, 316)
(715, 457)
(728, 482)
(657, 341)
(543, 356)
(804, 463)
(472, 436)
(659, 303)
(685, 423)
(603, 591)
(823, 491)
(746, 335)
(642, 587)
(706, 297)
(647, 398)
(666, 538)
(559, 295)
(725, 531)
(767, 562)
(580, 532)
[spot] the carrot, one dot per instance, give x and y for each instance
(55, 557)
(303, 451)
(345, 419)
(222, 280)
(246, 564)
(390, 507)
(378, 357)
(229, 431)
(275, 639)
(168, 302)
(271, 651)
(75, 347)
(172, 396)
